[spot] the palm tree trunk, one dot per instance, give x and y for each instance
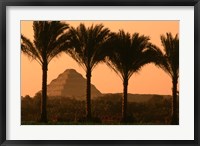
(43, 117)
(174, 120)
(88, 96)
(124, 100)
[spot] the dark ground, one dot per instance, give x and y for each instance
(106, 110)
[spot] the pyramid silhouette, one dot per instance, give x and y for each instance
(70, 83)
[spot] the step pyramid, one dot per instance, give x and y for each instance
(70, 83)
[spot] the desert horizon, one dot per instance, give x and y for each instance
(84, 89)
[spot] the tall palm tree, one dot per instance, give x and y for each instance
(49, 41)
(129, 54)
(171, 66)
(87, 48)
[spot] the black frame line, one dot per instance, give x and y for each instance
(5, 3)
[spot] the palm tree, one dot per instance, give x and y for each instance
(129, 54)
(49, 41)
(171, 66)
(87, 48)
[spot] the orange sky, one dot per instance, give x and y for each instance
(150, 80)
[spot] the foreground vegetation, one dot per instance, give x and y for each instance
(106, 110)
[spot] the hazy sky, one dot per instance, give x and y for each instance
(150, 79)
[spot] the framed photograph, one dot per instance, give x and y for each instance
(99, 72)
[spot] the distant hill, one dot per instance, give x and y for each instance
(138, 98)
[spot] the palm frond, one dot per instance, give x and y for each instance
(130, 53)
(87, 44)
(50, 40)
(171, 55)
(57, 47)
(28, 48)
